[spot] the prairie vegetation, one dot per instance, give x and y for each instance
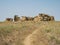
(40, 33)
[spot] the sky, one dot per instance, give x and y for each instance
(9, 8)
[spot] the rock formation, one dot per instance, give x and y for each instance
(9, 19)
(16, 18)
(39, 17)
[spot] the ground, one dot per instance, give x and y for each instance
(30, 33)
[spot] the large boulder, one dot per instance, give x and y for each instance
(24, 18)
(30, 18)
(52, 18)
(16, 18)
(9, 19)
(38, 18)
(43, 17)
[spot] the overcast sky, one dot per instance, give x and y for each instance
(9, 8)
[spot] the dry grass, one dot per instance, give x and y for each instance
(14, 33)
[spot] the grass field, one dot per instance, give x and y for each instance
(40, 33)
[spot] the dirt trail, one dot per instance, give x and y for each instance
(28, 39)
